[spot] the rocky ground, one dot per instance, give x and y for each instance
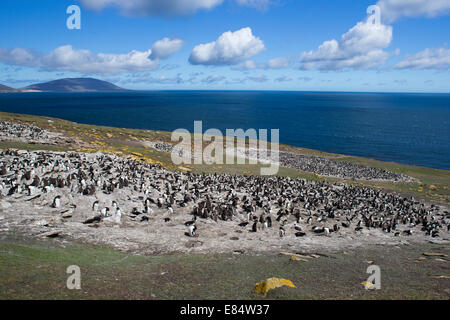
(308, 163)
(143, 208)
(31, 134)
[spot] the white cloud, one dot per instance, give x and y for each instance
(153, 7)
(213, 79)
(148, 78)
(275, 63)
(236, 81)
(164, 48)
(283, 79)
(66, 58)
(259, 78)
(230, 48)
(18, 57)
(360, 48)
(438, 59)
(392, 10)
(248, 65)
(258, 4)
(278, 63)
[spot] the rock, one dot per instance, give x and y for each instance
(41, 223)
(5, 205)
(50, 234)
(193, 243)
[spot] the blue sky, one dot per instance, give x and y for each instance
(230, 44)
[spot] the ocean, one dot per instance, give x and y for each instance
(400, 127)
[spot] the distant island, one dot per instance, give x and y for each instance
(5, 89)
(68, 85)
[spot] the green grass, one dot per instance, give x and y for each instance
(37, 270)
(28, 146)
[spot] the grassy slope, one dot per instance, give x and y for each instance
(37, 270)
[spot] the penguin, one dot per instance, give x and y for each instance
(92, 220)
(56, 202)
(144, 218)
(191, 222)
(135, 212)
(269, 221)
(255, 226)
(261, 219)
(300, 234)
(243, 224)
(327, 231)
(407, 232)
(95, 206)
(166, 219)
(282, 232)
(147, 209)
(105, 212)
(192, 230)
(118, 216)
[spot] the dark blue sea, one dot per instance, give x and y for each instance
(406, 128)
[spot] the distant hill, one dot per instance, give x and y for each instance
(4, 89)
(74, 85)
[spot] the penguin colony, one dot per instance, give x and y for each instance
(340, 169)
(276, 204)
(18, 131)
(10, 131)
(314, 164)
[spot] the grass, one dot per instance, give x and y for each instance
(36, 269)
(434, 184)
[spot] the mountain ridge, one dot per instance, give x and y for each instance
(6, 89)
(73, 85)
